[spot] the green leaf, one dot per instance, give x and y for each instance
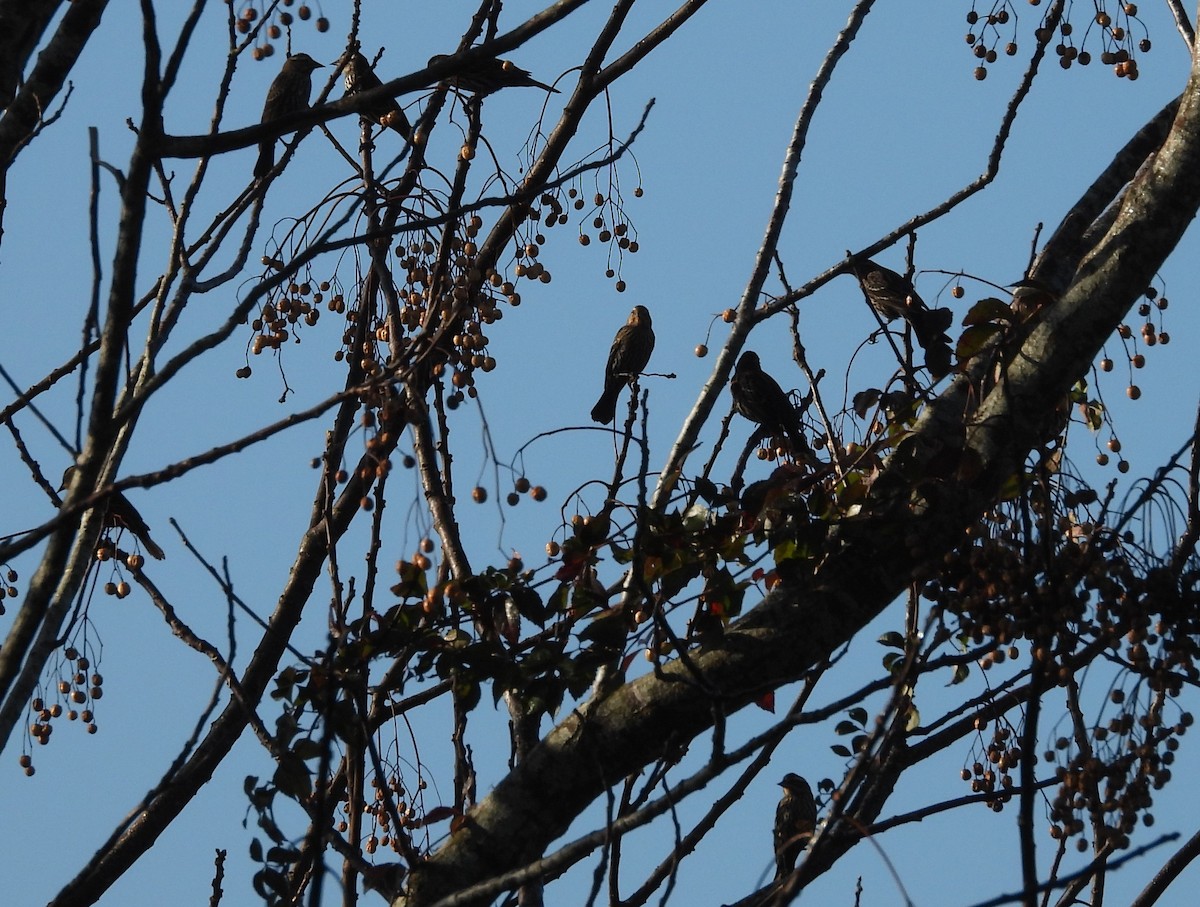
(413, 583)
(260, 797)
(706, 489)
(292, 776)
(307, 748)
(989, 309)
(864, 400)
(608, 628)
(847, 727)
(283, 855)
(841, 750)
(529, 604)
(270, 879)
(559, 601)
(974, 339)
(1010, 490)
(467, 691)
(859, 715)
(696, 518)
(914, 719)
(893, 638)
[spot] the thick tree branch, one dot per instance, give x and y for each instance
(32, 103)
(868, 560)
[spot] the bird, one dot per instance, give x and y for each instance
(630, 352)
(483, 75)
(758, 397)
(795, 820)
(120, 514)
(1030, 295)
(892, 296)
(287, 94)
(359, 77)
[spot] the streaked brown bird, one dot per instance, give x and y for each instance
(630, 352)
(359, 77)
(287, 94)
(120, 514)
(758, 397)
(892, 296)
(1030, 295)
(483, 75)
(795, 821)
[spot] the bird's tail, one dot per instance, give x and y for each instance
(398, 122)
(801, 449)
(151, 548)
(266, 159)
(605, 409)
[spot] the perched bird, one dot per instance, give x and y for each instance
(630, 352)
(1029, 295)
(120, 514)
(288, 94)
(359, 76)
(483, 75)
(795, 820)
(758, 397)
(894, 297)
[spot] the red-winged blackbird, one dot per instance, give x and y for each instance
(288, 94)
(894, 297)
(483, 75)
(758, 397)
(359, 76)
(630, 352)
(120, 514)
(795, 820)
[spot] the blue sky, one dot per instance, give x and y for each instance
(902, 126)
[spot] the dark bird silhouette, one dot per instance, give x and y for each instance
(894, 297)
(758, 397)
(483, 75)
(630, 352)
(795, 821)
(287, 94)
(359, 77)
(120, 514)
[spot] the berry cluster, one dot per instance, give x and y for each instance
(79, 693)
(1076, 596)
(283, 19)
(1122, 35)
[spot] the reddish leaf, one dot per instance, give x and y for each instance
(571, 568)
(766, 701)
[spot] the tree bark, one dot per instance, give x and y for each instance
(963, 458)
